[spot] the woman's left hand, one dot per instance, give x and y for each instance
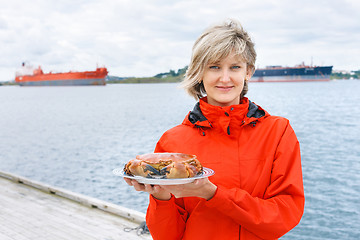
(202, 188)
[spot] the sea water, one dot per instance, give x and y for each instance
(73, 137)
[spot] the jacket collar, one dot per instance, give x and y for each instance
(196, 117)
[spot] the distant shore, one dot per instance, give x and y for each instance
(174, 79)
(168, 79)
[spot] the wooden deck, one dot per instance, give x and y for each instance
(32, 210)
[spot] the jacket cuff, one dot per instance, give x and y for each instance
(160, 204)
(220, 199)
(216, 199)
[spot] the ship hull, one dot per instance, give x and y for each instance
(66, 82)
(295, 74)
(312, 78)
(64, 79)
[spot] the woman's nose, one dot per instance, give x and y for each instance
(225, 75)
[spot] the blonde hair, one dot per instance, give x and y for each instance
(213, 45)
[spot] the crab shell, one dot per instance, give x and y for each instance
(164, 165)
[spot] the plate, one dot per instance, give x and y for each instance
(207, 172)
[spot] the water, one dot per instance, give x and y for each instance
(72, 137)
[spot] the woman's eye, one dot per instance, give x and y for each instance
(214, 67)
(235, 67)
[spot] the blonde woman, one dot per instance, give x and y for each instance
(257, 190)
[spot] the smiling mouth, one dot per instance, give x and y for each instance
(224, 87)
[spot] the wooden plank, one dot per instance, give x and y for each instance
(31, 213)
(84, 200)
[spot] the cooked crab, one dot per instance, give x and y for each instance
(164, 165)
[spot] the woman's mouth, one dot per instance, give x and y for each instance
(224, 88)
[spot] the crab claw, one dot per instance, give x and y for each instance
(150, 170)
(127, 168)
(135, 167)
(179, 170)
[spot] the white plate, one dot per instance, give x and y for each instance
(207, 172)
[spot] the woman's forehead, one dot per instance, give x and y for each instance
(232, 56)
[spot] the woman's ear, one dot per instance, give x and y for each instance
(249, 72)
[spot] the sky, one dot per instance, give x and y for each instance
(142, 38)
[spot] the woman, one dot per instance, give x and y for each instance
(257, 190)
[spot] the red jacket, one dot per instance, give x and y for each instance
(256, 159)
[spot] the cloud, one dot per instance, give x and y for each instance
(143, 38)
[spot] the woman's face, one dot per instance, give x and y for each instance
(224, 81)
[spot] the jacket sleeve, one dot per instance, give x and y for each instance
(166, 219)
(281, 207)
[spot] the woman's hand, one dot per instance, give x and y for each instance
(202, 188)
(155, 190)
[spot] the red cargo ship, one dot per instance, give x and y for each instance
(27, 76)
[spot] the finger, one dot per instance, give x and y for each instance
(138, 186)
(199, 182)
(154, 189)
(158, 188)
(166, 187)
(128, 181)
(148, 188)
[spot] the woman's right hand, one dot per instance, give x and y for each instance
(155, 190)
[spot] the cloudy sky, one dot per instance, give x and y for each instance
(146, 37)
